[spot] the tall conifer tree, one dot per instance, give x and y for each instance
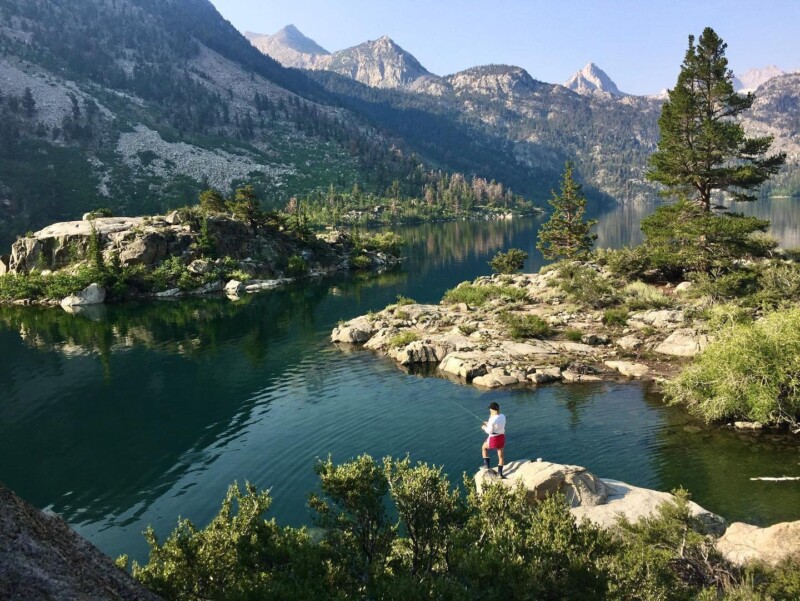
(566, 233)
(702, 147)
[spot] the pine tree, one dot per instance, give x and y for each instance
(566, 233)
(702, 148)
(28, 103)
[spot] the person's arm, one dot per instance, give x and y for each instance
(489, 427)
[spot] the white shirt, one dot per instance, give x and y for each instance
(496, 425)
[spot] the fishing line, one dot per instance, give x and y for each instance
(480, 419)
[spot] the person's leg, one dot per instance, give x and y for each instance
(500, 461)
(485, 453)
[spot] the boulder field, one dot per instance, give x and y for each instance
(603, 502)
(472, 344)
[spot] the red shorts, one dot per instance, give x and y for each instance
(497, 442)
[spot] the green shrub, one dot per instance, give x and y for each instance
(386, 242)
(361, 262)
(403, 338)
(629, 263)
(728, 314)
(727, 285)
(101, 212)
(584, 285)
(615, 316)
(751, 371)
(467, 329)
(404, 300)
(508, 262)
(478, 295)
(638, 295)
(779, 283)
(573, 335)
(296, 266)
(525, 326)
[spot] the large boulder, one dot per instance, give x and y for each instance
(634, 503)
(542, 478)
(41, 557)
(4, 264)
(93, 294)
(685, 342)
(419, 351)
(466, 365)
(628, 368)
(355, 331)
(602, 502)
(744, 543)
(146, 249)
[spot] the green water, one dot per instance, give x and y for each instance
(133, 415)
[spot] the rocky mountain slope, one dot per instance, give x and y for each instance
(607, 133)
(593, 80)
(289, 47)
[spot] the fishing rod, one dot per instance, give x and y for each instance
(480, 419)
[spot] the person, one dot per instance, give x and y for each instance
(495, 427)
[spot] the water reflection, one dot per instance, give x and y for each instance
(135, 414)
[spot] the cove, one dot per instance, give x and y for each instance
(139, 413)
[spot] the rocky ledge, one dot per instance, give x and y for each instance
(472, 344)
(41, 557)
(603, 502)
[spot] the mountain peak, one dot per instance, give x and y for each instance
(593, 80)
(753, 78)
(288, 46)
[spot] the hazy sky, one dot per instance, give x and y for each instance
(640, 44)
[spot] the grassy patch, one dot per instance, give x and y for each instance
(404, 300)
(478, 295)
(638, 296)
(584, 285)
(573, 335)
(616, 316)
(525, 326)
(402, 339)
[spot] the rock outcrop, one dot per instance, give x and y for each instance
(93, 294)
(472, 344)
(41, 557)
(600, 501)
(745, 543)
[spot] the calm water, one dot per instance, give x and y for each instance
(137, 414)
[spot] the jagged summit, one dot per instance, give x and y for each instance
(380, 63)
(593, 80)
(288, 46)
(751, 79)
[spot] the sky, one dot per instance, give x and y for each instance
(639, 44)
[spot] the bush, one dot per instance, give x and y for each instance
(751, 371)
(727, 285)
(402, 339)
(779, 283)
(508, 262)
(525, 326)
(584, 285)
(729, 314)
(386, 242)
(574, 335)
(616, 316)
(296, 266)
(404, 300)
(629, 263)
(467, 329)
(101, 212)
(638, 295)
(361, 262)
(478, 295)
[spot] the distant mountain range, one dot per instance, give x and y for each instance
(608, 133)
(169, 98)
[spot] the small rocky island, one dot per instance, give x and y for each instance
(183, 253)
(484, 342)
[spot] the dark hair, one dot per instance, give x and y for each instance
(494, 406)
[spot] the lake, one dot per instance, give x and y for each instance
(137, 414)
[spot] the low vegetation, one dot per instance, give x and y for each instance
(398, 530)
(525, 326)
(751, 372)
(508, 262)
(402, 339)
(478, 295)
